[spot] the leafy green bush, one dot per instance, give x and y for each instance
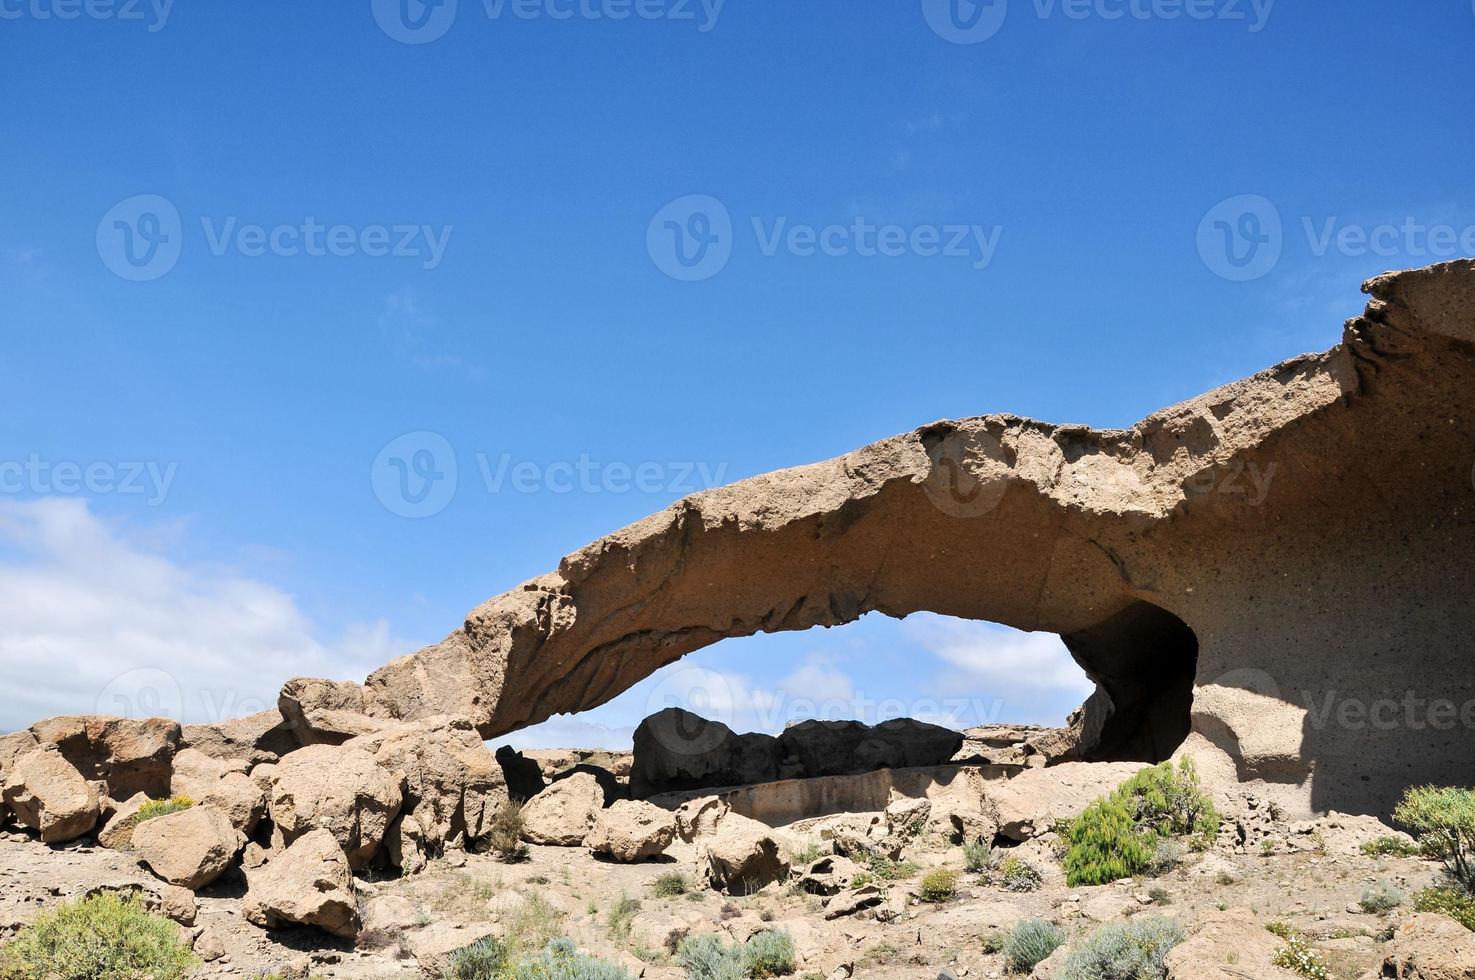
(505, 834)
(1448, 900)
(769, 953)
(482, 960)
(1018, 875)
(1298, 956)
(670, 884)
(707, 957)
(1132, 950)
(938, 885)
(1444, 816)
(978, 855)
(103, 937)
(1117, 836)
(1380, 897)
(1030, 942)
(1389, 846)
(560, 960)
(158, 808)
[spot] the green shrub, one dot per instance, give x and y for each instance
(938, 885)
(1117, 836)
(889, 870)
(1018, 875)
(532, 925)
(670, 884)
(482, 960)
(1160, 896)
(1448, 900)
(806, 853)
(707, 957)
(1298, 956)
(560, 960)
(1444, 816)
(769, 953)
(1389, 846)
(158, 808)
(103, 937)
(1132, 950)
(1030, 942)
(994, 941)
(617, 919)
(1166, 855)
(505, 834)
(978, 855)
(1380, 897)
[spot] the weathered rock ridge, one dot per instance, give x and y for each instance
(1257, 569)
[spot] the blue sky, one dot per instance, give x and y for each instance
(246, 249)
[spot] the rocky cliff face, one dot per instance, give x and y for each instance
(1276, 570)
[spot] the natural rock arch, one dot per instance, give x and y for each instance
(1309, 525)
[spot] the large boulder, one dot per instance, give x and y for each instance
(1030, 803)
(49, 795)
(1430, 947)
(743, 855)
(676, 749)
(562, 814)
(310, 883)
(117, 833)
(325, 712)
(262, 737)
(838, 748)
(1227, 945)
(631, 830)
(190, 847)
(453, 785)
(341, 790)
(130, 756)
(221, 784)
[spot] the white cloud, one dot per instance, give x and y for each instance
(1000, 657)
(92, 619)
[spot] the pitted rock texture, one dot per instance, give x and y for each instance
(1267, 552)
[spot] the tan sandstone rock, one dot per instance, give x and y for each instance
(1430, 947)
(631, 830)
(190, 847)
(258, 738)
(117, 833)
(743, 855)
(1030, 803)
(1228, 945)
(341, 790)
(130, 756)
(309, 883)
(49, 795)
(563, 813)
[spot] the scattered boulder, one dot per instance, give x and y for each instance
(194, 773)
(523, 776)
(190, 847)
(453, 786)
(262, 737)
(310, 883)
(178, 904)
(49, 795)
(341, 790)
(839, 748)
(1430, 947)
(131, 756)
(828, 875)
(1227, 945)
(117, 833)
(631, 830)
(221, 784)
(562, 814)
(676, 749)
(856, 900)
(699, 817)
(325, 712)
(743, 856)
(404, 845)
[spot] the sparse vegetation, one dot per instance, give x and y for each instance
(1029, 943)
(1298, 956)
(1132, 950)
(104, 937)
(159, 808)
(978, 855)
(938, 885)
(1160, 896)
(1444, 816)
(505, 836)
(1380, 897)
(670, 884)
(1448, 900)
(617, 919)
(766, 954)
(889, 870)
(1018, 875)
(769, 954)
(482, 960)
(807, 852)
(560, 960)
(1117, 836)
(532, 925)
(1389, 847)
